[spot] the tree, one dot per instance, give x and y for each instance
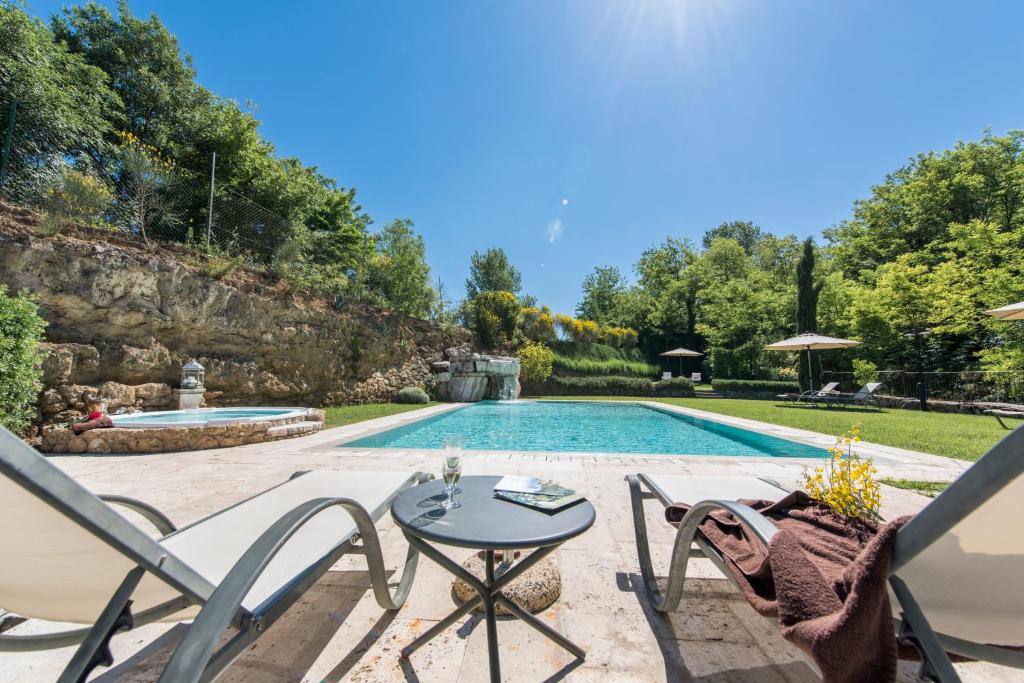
(21, 330)
(400, 273)
(494, 318)
(600, 289)
(746, 234)
(808, 288)
(62, 102)
(491, 271)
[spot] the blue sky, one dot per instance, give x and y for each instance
(578, 133)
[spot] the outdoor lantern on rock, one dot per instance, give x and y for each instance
(192, 375)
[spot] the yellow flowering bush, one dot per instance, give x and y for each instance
(538, 324)
(847, 483)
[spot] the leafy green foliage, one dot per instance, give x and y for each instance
(750, 386)
(538, 324)
(21, 330)
(535, 362)
(412, 395)
(864, 371)
(588, 366)
(600, 290)
(616, 386)
(115, 96)
(925, 488)
(75, 197)
(494, 318)
(808, 290)
(491, 271)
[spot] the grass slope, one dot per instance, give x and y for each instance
(346, 415)
(948, 434)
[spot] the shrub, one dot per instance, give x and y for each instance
(864, 371)
(75, 197)
(535, 362)
(846, 484)
(677, 386)
(412, 395)
(620, 337)
(538, 324)
(599, 386)
(494, 317)
(589, 366)
(21, 330)
(753, 386)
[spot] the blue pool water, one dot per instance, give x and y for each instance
(590, 427)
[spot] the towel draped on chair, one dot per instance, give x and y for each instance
(823, 575)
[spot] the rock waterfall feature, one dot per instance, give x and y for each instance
(474, 377)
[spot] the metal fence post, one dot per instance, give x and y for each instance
(209, 210)
(7, 145)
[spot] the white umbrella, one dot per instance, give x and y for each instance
(809, 341)
(1011, 312)
(682, 353)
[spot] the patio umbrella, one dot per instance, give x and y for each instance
(809, 341)
(1011, 312)
(682, 353)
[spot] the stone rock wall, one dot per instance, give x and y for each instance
(123, 317)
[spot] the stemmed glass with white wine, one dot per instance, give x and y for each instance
(451, 469)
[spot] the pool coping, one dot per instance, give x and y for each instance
(937, 466)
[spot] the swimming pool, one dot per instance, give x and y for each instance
(584, 426)
(201, 417)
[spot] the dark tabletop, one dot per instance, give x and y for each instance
(484, 521)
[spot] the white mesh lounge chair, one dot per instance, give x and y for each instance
(827, 390)
(68, 556)
(865, 396)
(954, 570)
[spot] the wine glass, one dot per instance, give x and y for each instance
(451, 469)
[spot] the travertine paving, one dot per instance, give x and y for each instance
(338, 633)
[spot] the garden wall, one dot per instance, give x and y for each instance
(123, 316)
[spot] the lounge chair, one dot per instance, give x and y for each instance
(865, 396)
(695, 377)
(954, 568)
(1000, 413)
(68, 556)
(827, 390)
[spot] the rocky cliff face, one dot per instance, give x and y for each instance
(123, 317)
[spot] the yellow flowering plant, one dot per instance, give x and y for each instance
(847, 483)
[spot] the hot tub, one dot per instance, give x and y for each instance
(186, 430)
(203, 417)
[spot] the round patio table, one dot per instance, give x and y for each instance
(486, 523)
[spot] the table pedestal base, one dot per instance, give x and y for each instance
(490, 595)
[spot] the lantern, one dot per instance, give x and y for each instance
(192, 375)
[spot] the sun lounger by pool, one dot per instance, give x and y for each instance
(864, 396)
(66, 555)
(827, 390)
(954, 565)
(1000, 413)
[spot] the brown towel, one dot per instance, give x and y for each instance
(98, 423)
(823, 575)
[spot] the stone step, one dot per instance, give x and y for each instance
(706, 393)
(294, 429)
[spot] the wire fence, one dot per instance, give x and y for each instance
(969, 386)
(130, 188)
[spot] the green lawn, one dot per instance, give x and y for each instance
(925, 488)
(949, 434)
(346, 415)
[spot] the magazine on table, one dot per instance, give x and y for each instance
(543, 494)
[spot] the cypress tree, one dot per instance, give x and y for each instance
(807, 290)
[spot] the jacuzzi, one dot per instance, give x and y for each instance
(204, 417)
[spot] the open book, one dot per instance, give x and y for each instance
(543, 494)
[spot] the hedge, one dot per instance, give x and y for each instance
(754, 386)
(613, 386)
(590, 366)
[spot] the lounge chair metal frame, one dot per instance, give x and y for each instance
(195, 658)
(810, 394)
(985, 478)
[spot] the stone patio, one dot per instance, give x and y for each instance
(336, 632)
